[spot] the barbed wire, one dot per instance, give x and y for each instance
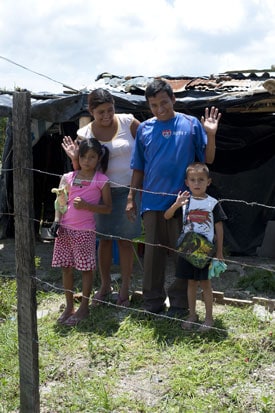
(116, 184)
(38, 73)
(121, 307)
(129, 309)
(139, 241)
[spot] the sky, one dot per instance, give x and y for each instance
(72, 42)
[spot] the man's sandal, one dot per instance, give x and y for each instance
(123, 302)
(100, 299)
(190, 323)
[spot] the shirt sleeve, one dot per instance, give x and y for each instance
(218, 213)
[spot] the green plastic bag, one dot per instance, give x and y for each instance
(195, 248)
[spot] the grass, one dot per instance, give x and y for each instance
(7, 298)
(122, 360)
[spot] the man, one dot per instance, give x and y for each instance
(165, 145)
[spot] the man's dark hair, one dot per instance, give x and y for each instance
(157, 86)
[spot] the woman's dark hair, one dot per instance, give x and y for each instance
(101, 150)
(157, 86)
(98, 97)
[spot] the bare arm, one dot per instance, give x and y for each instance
(71, 149)
(57, 216)
(104, 208)
(62, 184)
(134, 126)
(136, 183)
(181, 200)
(219, 240)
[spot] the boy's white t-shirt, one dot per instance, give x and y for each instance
(200, 217)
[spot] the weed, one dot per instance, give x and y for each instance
(7, 297)
(257, 280)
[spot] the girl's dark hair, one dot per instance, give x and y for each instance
(98, 97)
(157, 86)
(101, 150)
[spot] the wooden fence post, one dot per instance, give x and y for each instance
(25, 253)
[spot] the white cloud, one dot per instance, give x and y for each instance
(72, 41)
(212, 17)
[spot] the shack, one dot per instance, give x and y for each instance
(243, 170)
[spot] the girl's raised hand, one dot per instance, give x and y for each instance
(70, 147)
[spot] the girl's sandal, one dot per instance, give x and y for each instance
(63, 318)
(74, 320)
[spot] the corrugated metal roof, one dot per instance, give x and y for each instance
(230, 82)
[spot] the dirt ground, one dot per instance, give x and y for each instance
(227, 283)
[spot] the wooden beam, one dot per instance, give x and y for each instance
(25, 253)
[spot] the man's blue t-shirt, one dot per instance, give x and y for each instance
(163, 150)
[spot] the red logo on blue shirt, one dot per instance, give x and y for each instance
(166, 133)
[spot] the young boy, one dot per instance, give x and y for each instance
(204, 216)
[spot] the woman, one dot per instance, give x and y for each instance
(117, 133)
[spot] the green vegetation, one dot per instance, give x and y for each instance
(122, 360)
(256, 280)
(7, 298)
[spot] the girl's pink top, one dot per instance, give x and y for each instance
(90, 191)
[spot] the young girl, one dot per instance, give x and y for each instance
(205, 215)
(75, 245)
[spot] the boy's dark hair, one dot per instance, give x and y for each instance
(102, 151)
(157, 86)
(197, 166)
(98, 97)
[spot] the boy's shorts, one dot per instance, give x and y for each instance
(187, 271)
